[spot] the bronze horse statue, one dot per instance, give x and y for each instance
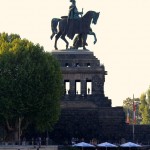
(72, 27)
(78, 40)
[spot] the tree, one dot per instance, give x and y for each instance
(128, 108)
(145, 107)
(148, 96)
(127, 105)
(30, 86)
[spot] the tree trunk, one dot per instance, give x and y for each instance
(14, 133)
(12, 136)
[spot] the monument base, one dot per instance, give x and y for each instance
(87, 113)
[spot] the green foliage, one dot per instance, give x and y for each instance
(148, 96)
(145, 107)
(128, 107)
(143, 102)
(142, 108)
(146, 115)
(30, 84)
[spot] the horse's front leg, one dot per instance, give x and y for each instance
(95, 39)
(67, 43)
(92, 33)
(51, 37)
(56, 38)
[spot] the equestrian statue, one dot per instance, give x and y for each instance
(74, 24)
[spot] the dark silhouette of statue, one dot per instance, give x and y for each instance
(73, 11)
(73, 24)
(81, 26)
(78, 40)
(54, 24)
(73, 19)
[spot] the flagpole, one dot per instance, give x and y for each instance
(127, 119)
(133, 129)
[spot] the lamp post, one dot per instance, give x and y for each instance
(19, 130)
(135, 119)
(133, 129)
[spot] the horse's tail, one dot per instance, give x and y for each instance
(54, 23)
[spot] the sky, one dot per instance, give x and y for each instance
(122, 30)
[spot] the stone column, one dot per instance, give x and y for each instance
(72, 87)
(83, 87)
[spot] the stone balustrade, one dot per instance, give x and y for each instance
(16, 147)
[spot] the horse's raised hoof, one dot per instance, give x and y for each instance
(95, 41)
(56, 48)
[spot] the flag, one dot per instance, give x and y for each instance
(134, 111)
(128, 119)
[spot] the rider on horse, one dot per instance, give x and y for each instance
(73, 19)
(73, 11)
(73, 24)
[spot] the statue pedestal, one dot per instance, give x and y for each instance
(81, 68)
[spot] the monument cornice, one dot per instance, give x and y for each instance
(82, 70)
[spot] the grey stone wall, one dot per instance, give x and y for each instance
(86, 123)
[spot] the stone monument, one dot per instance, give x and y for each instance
(86, 113)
